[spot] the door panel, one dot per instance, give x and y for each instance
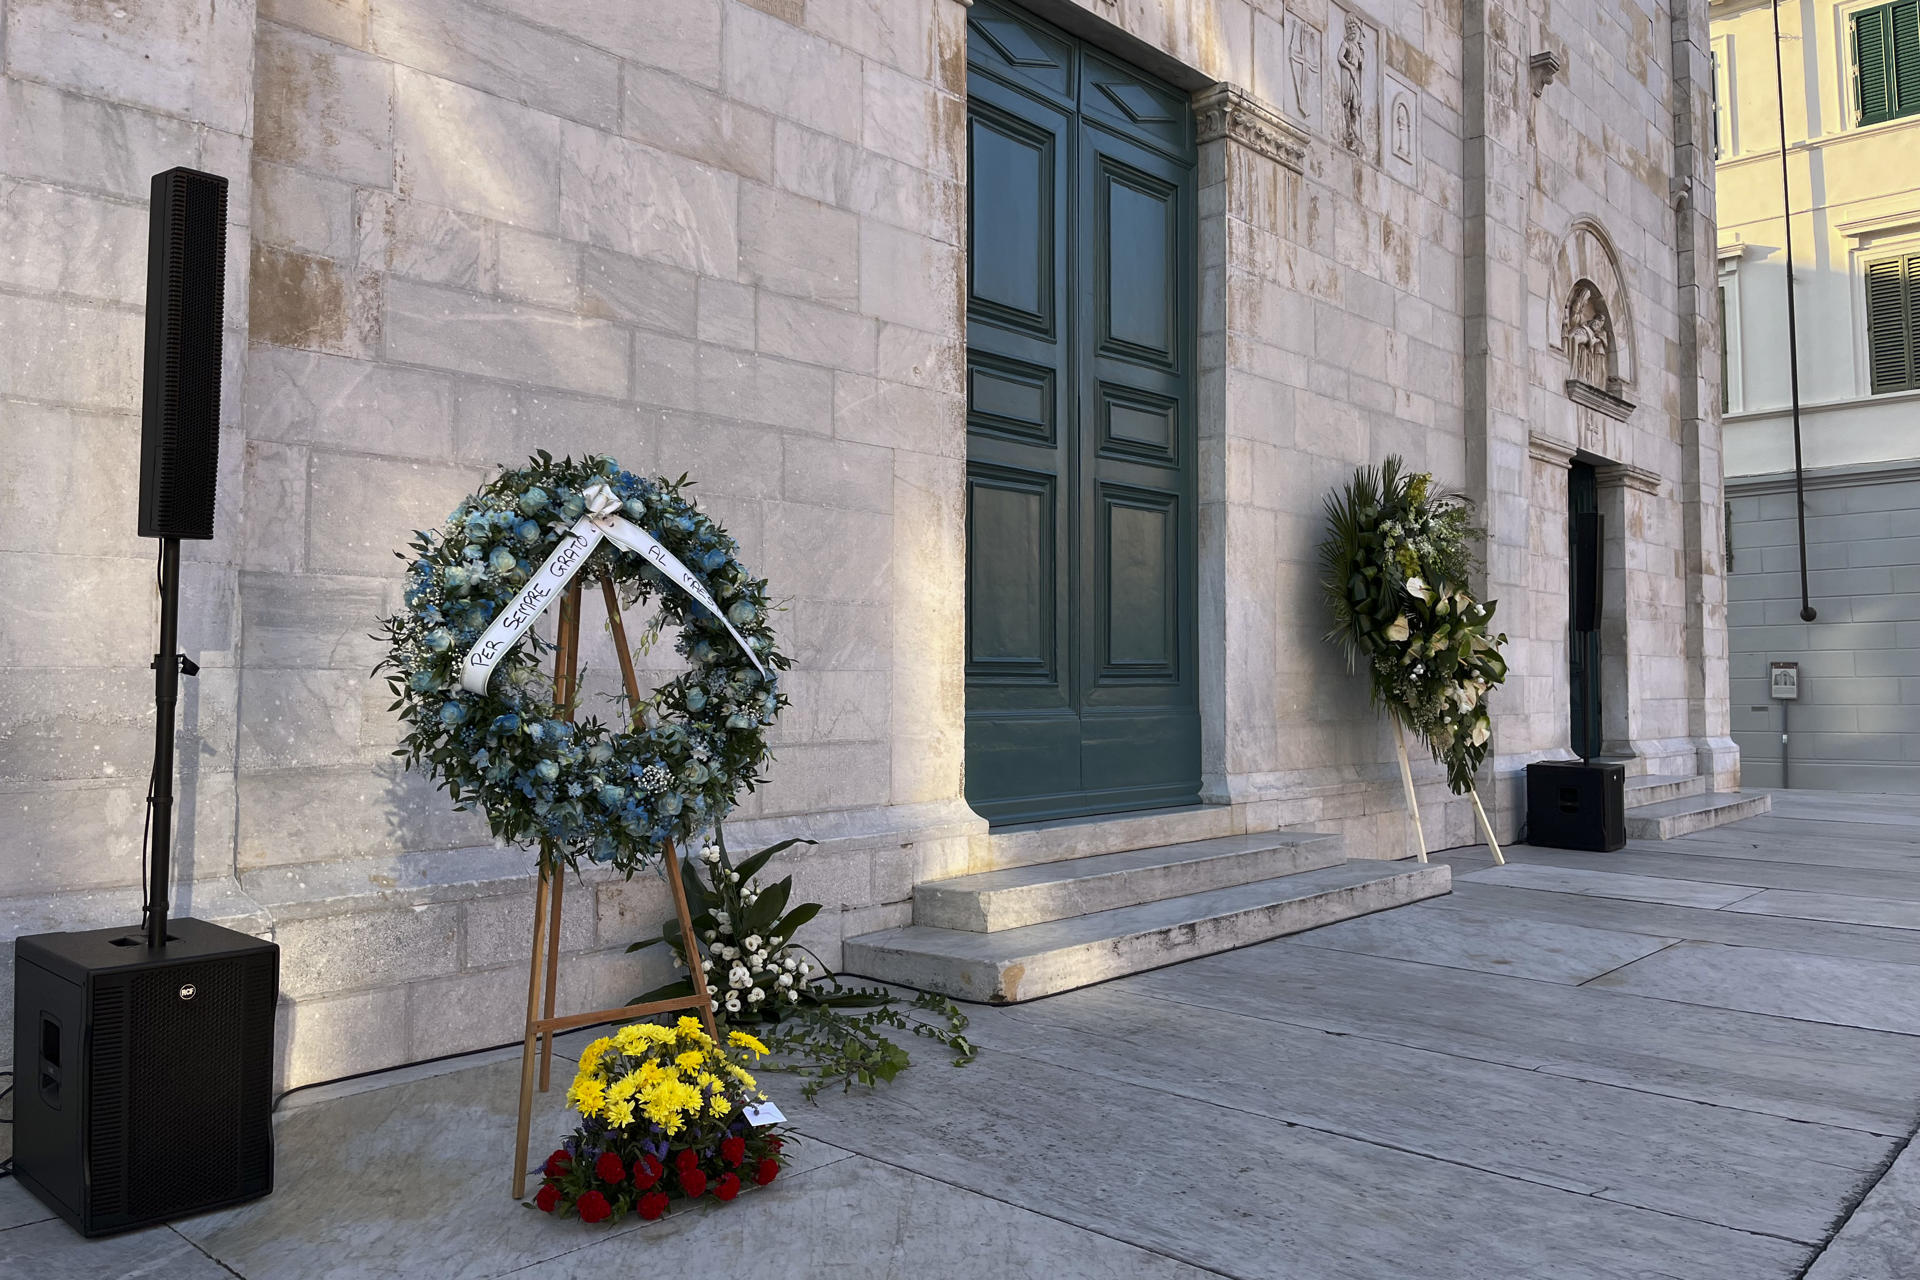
(1080, 651)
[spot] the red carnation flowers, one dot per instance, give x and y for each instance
(728, 1187)
(593, 1207)
(767, 1170)
(733, 1150)
(647, 1171)
(652, 1205)
(546, 1198)
(557, 1164)
(609, 1169)
(694, 1184)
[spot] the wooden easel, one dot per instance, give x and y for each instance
(1413, 805)
(542, 1025)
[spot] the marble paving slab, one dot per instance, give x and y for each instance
(1839, 907)
(19, 1206)
(1728, 1058)
(1849, 993)
(1736, 1168)
(1730, 874)
(408, 1181)
(1608, 884)
(1487, 941)
(1728, 924)
(1892, 854)
(859, 1219)
(1254, 1197)
(55, 1251)
(1881, 1241)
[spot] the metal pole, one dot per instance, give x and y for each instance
(1807, 611)
(1786, 715)
(166, 697)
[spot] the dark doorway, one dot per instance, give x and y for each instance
(1584, 578)
(1081, 692)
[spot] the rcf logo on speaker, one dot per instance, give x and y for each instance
(188, 990)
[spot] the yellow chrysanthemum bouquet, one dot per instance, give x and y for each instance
(666, 1114)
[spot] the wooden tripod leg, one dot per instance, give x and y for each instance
(1487, 828)
(566, 687)
(685, 917)
(672, 857)
(525, 1126)
(1406, 780)
(553, 977)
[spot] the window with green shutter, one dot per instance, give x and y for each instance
(1893, 323)
(1886, 61)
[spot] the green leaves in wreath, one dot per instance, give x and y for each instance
(1395, 562)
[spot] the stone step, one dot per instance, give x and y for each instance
(1658, 788)
(1030, 842)
(1042, 959)
(1020, 896)
(1681, 817)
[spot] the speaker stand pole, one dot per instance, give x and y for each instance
(166, 698)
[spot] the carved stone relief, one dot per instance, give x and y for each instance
(1586, 335)
(1302, 93)
(1353, 67)
(1402, 118)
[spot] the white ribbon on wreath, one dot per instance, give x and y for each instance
(602, 520)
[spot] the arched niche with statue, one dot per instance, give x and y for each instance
(1591, 324)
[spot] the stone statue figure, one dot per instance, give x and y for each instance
(1588, 336)
(1352, 63)
(1402, 129)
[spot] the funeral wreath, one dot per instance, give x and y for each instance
(1396, 560)
(481, 714)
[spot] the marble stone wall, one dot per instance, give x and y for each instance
(729, 240)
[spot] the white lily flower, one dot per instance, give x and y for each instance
(1418, 588)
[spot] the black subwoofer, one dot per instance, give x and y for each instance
(143, 1085)
(1572, 804)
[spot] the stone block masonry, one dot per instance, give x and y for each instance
(729, 237)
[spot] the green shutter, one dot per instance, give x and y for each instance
(1906, 57)
(1871, 81)
(1891, 302)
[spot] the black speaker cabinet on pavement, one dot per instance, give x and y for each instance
(1572, 804)
(180, 421)
(143, 1079)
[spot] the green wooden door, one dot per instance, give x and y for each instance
(1080, 435)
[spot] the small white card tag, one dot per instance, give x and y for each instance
(761, 1113)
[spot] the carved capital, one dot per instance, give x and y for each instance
(1626, 476)
(1230, 112)
(1552, 452)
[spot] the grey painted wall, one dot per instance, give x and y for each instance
(1856, 726)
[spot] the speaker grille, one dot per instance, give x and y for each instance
(187, 1087)
(186, 279)
(107, 1102)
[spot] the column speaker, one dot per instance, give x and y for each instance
(180, 422)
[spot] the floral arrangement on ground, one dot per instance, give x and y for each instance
(1396, 561)
(813, 1026)
(582, 790)
(666, 1114)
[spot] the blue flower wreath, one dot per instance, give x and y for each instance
(581, 789)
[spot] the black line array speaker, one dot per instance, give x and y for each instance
(180, 422)
(1587, 569)
(143, 1086)
(1575, 804)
